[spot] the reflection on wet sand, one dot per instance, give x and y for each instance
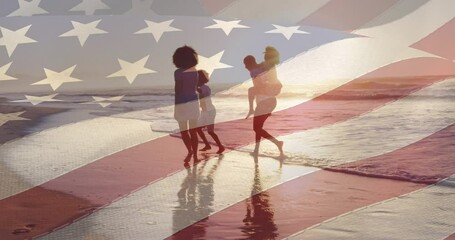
(195, 200)
(259, 222)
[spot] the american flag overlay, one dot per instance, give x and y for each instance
(90, 149)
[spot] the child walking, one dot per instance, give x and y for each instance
(207, 117)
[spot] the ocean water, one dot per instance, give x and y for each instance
(382, 130)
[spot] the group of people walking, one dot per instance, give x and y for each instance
(195, 111)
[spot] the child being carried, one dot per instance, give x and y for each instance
(265, 82)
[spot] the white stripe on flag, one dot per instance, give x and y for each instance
(412, 27)
(284, 11)
(329, 66)
(332, 65)
(40, 157)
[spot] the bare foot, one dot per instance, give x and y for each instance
(220, 149)
(195, 159)
(207, 147)
(251, 112)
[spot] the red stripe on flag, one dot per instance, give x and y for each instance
(347, 15)
(451, 237)
(117, 175)
(427, 161)
(308, 200)
(440, 42)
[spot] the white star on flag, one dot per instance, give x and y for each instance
(3, 75)
(35, 100)
(6, 117)
(90, 6)
(56, 79)
(83, 30)
(131, 70)
(212, 63)
(158, 28)
(11, 39)
(105, 102)
(226, 26)
(287, 31)
(28, 8)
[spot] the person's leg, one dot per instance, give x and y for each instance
(211, 115)
(201, 125)
(204, 139)
(258, 123)
(183, 125)
(267, 135)
(217, 140)
(263, 132)
(193, 137)
(267, 107)
(251, 96)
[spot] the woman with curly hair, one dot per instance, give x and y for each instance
(186, 110)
